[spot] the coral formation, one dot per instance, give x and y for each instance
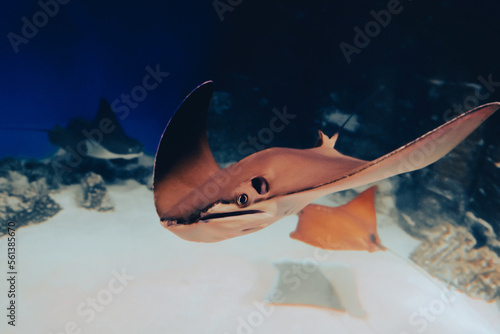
(94, 194)
(23, 201)
(69, 172)
(449, 254)
(26, 185)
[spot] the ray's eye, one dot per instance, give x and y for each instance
(242, 200)
(260, 185)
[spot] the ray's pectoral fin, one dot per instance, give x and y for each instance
(352, 226)
(183, 159)
(417, 154)
(435, 144)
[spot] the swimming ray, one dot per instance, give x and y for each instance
(199, 201)
(352, 226)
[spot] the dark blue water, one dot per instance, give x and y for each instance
(265, 54)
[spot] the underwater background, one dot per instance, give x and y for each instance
(264, 54)
(399, 75)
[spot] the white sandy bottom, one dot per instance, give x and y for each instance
(71, 262)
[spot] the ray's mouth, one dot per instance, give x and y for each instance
(228, 214)
(205, 218)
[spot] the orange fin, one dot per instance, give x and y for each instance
(352, 226)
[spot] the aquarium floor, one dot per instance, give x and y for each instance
(68, 269)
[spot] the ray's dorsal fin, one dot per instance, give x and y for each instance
(110, 141)
(183, 160)
(352, 226)
(106, 114)
(325, 141)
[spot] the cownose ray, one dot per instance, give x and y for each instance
(199, 201)
(101, 138)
